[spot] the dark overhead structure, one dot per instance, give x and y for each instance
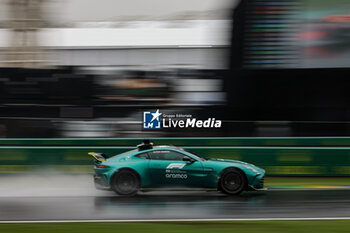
(273, 78)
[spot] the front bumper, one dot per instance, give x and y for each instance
(101, 182)
(258, 183)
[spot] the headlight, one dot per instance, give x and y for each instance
(252, 169)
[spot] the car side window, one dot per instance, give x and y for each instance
(166, 155)
(142, 156)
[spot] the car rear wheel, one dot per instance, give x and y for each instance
(232, 181)
(126, 182)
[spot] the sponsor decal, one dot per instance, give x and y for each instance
(171, 173)
(176, 176)
(157, 120)
(175, 165)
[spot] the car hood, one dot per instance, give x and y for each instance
(231, 161)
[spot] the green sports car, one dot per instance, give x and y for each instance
(168, 167)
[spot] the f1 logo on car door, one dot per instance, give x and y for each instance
(176, 165)
(168, 169)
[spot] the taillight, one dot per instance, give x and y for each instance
(101, 166)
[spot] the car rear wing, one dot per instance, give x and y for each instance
(98, 156)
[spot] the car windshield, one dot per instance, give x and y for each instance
(197, 156)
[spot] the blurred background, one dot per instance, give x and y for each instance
(85, 69)
(77, 75)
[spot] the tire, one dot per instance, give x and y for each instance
(126, 182)
(232, 181)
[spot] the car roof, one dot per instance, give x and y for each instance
(166, 146)
(162, 147)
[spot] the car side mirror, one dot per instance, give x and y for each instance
(188, 159)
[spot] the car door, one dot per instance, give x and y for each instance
(168, 169)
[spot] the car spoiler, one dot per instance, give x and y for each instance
(98, 156)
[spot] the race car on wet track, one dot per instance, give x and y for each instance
(172, 168)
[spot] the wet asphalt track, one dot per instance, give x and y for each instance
(179, 205)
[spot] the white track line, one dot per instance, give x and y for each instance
(177, 220)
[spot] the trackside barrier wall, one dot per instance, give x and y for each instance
(279, 156)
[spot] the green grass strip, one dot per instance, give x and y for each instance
(325, 226)
(306, 181)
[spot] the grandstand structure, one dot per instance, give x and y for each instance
(22, 29)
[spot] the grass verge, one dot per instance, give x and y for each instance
(325, 226)
(306, 181)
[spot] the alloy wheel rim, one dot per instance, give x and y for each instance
(232, 182)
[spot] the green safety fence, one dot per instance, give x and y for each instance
(278, 156)
(189, 141)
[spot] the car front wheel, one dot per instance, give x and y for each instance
(232, 181)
